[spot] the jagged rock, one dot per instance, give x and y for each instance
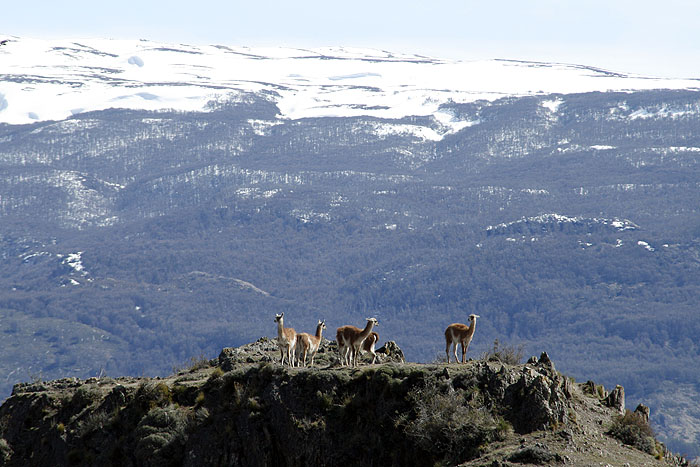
(616, 399)
(643, 412)
(262, 350)
(391, 352)
(537, 400)
(545, 362)
(538, 454)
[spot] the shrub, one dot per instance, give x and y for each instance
(216, 374)
(5, 450)
(154, 394)
(161, 435)
(86, 395)
(194, 364)
(633, 430)
(94, 421)
(507, 354)
(452, 424)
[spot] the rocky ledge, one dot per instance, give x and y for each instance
(245, 409)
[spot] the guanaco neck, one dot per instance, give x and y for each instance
(319, 331)
(470, 331)
(368, 328)
(280, 328)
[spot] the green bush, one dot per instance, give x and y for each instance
(5, 450)
(86, 395)
(92, 422)
(451, 423)
(194, 364)
(633, 430)
(154, 394)
(161, 435)
(509, 354)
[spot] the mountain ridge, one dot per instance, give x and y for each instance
(244, 408)
(95, 74)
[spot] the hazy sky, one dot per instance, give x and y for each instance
(653, 37)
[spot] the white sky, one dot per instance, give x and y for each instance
(651, 37)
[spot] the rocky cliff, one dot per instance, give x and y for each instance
(245, 409)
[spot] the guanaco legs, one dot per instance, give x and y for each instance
(306, 343)
(286, 339)
(350, 339)
(368, 345)
(457, 334)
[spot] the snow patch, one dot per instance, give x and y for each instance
(550, 218)
(75, 261)
(262, 127)
(552, 105)
(645, 245)
(400, 129)
(663, 112)
(532, 191)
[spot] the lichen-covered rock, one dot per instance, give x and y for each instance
(262, 350)
(539, 454)
(539, 399)
(616, 399)
(643, 412)
(390, 352)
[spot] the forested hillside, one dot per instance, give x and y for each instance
(132, 240)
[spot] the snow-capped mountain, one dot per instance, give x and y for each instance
(54, 79)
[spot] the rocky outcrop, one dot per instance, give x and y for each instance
(245, 409)
(616, 399)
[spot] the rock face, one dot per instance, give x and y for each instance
(616, 399)
(245, 409)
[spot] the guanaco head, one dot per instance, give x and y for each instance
(374, 320)
(321, 324)
(278, 318)
(473, 317)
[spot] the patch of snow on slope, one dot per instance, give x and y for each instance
(418, 131)
(550, 218)
(74, 260)
(645, 245)
(84, 204)
(552, 105)
(262, 127)
(450, 121)
(663, 112)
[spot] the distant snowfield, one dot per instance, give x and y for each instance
(54, 79)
